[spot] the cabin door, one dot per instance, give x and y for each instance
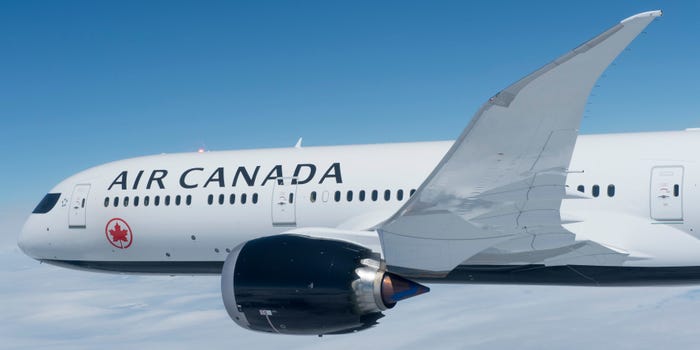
(78, 206)
(284, 202)
(667, 193)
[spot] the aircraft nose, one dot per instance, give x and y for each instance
(28, 240)
(21, 242)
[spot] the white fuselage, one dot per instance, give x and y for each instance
(651, 215)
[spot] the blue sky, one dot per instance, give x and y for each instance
(84, 82)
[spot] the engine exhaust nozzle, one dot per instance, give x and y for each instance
(396, 288)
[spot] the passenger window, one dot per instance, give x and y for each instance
(337, 196)
(387, 195)
(136, 201)
(595, 190)
(244, 198)
(146, 201)
(177, 200)
(255, 198)
(106, 202)
(232, 199)
(166, 200)
(291, 198)
(676, 190)
(156, 201)
(375, 195)
(399, 195)
(410, 194)
(611, 190)
(116, 201)
(312, 197)
(361, 196)
(221, 198)
(581, 188)
(188, 201)
(349, 196)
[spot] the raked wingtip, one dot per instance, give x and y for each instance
(657, 13)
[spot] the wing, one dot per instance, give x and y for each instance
(503, 180)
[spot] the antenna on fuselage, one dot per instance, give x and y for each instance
(298, 145)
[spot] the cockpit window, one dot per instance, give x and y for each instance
(47, 203)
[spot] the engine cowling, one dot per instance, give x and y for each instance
(295, 284)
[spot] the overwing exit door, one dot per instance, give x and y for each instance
(666, 196)
(284, 203)
(78, 204)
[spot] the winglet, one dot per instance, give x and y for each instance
(657, 13)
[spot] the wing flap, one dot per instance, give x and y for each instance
(575, 253)
(589, 253)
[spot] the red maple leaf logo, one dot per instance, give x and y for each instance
(118, 234)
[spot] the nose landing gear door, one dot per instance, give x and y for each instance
(78, 206)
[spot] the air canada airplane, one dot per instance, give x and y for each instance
(323, 240)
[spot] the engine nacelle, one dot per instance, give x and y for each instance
(294, 284)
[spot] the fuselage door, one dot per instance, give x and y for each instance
(78, 206)
(667, 193)
(284, 202)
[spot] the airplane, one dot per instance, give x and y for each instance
(323, 240)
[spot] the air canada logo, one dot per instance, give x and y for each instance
(118, 233)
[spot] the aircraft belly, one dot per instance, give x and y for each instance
(533, 274)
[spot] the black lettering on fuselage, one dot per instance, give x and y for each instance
(275, 173)
(295, 178)
(217, 176)
(334, 172)
(138, 178)
(303, 174)
(183, 183)
(119, 180)
(157, 176)
(246, 177)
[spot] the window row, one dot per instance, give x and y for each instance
(242, 199)
(595, 190)
(136, 201)
(362, 195)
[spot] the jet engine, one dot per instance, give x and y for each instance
(294, 284)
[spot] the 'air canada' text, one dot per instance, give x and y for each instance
(224, 177)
